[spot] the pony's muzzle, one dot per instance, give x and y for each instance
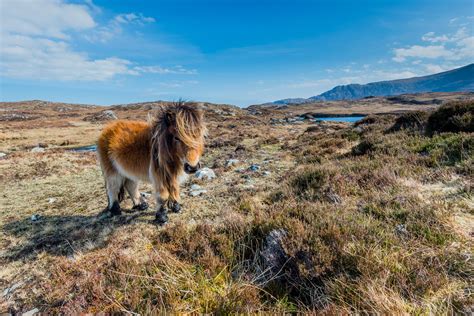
(190, 169)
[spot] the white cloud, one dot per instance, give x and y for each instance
(178, 84)
(432, 69)
(127, 18)
(40, 58)
(417, 51)
(50, 18)
(178, 70)
(311, 84)
(431, 37)
(465, 48)
(455, 46)
(114, 27)
(36, 41)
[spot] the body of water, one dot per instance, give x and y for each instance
(85, 148)
(350, 119)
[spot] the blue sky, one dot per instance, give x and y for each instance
(237, 52)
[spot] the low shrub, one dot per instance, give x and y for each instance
(447, 149)
(452, 117)
(310, 184)
(411, 121)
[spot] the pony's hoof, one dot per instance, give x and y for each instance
(161, 218)
(175, 207)
(115, 209)
(141, 207)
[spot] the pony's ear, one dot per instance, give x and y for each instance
(170, 123)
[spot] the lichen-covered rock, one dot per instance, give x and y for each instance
(273, 255)
(106, 115)
(205, 174)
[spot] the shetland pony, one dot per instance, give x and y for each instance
(160, 152)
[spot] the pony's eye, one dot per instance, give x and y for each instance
(177, 139)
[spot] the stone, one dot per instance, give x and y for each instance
(37, 149)
(334, 197)
(145, 194)
(35, 217)
(31, 312)
(2, 155)
(231, 162)
(195, 187)
(197, 192)
(254, 167)
(51, 200)
(12, 288)
(400, 229)
(106, 115)
(205, 174)
(267, 173)
(273, 255)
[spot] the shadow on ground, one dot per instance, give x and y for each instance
(62, 235)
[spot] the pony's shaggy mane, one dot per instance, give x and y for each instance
(181, 120)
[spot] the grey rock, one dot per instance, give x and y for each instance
(12, 288)
(31, 312)
(35, 217)
(109, 114)
(254, 167)
(273, 255)
(197, 192)
(400, 229)
(195, 187)
(267, 173)
(334, 198)
(205, 174)
(37, 149)
(231, 162)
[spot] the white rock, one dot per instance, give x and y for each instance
(197, 192)
(31, 312)
(267, 173)
(2, 155)
(110, 114)
(231, 162)
(12, 288)
(37, 149)
(205, 174)
(51, 200)
(195, 187)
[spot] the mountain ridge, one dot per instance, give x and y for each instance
(455, 80)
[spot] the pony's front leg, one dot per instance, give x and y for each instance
(173, 202)
(161, 216)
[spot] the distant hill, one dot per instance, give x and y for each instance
(456, 80)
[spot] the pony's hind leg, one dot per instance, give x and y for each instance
(114, 185)
(139, 202)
